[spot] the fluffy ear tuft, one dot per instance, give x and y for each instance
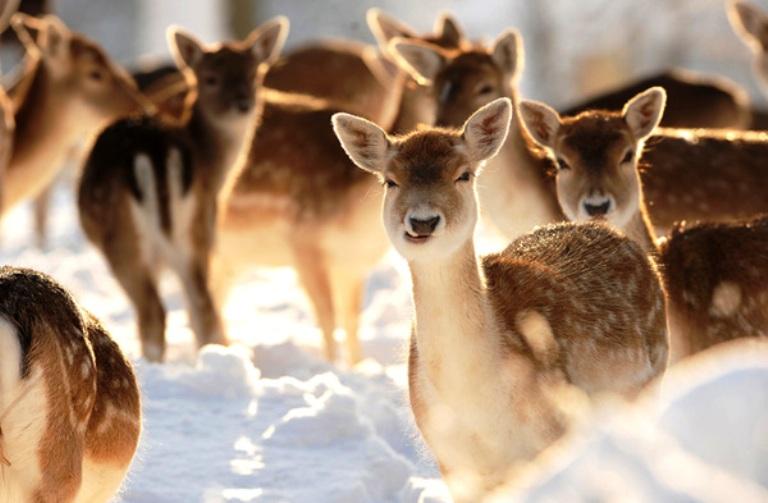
(363, 141)
(485, 131)
(421, 60)
(186, 49)
(643, 112)
(749, 21)
(384, 27)
(267, 40)
(508, 54)
(448, 30)
(541, 122)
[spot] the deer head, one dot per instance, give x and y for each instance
(79, 73)
(597, 154)
(228, 76)
(430, 206)
(466, 79)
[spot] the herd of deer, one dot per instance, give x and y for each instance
(243, 158)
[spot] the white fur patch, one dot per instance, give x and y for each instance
(726, 299)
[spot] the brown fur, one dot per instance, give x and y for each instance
(79, 364)
(700, 259)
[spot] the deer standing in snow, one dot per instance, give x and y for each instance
(150, 191)
(300, 202)
(519, 193)
(69, 89)
(70, 416)
(714, 273)
(494, 337)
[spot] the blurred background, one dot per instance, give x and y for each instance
(572, 48)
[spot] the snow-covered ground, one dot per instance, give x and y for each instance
(269, 420)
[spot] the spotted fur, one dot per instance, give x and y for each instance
(56, 386)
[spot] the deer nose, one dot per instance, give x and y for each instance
(424, 227)
(597, 209)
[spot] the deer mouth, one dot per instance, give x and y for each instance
(416, 238)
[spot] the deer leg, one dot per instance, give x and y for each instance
(204, 316)
(313, 275)
(40, 207)
(348, 292)
(139, 284)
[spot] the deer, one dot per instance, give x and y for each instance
(150, 192)
(69, 89)
(495, 338)
(713, 273)
(520, 193)
(300, 202)
(750, 23)
(70, 414)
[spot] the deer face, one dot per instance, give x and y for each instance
(80, 73)
(228, 77)
(464, 80)
(597, 154)
(430, 207)
(751, 24)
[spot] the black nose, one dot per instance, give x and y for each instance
(596, 210)
(424, 227)
(243, 105)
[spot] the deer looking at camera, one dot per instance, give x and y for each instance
(69, 90)
(70, 416)
(494, 337)
(467, 79)
(300, 202)
(714, 273)
(150, 191)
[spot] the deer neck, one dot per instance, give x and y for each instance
(640, 230)
(455, 331)
(414, 107)
(219, 145)
(46, 130)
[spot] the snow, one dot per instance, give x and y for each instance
(268, 420)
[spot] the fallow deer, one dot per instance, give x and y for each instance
(493, 337)
(519, 185)
(70, 416)
(68, 91)
(714, 273)
(150, 191)
(300, 202)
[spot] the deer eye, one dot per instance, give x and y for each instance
(464, 177)
(389, 183)
(211, 81)
(95, 75)
(628, 157)
(485, 89)
(562, 164)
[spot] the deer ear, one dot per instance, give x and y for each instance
(749, 21)
(28, 29)
(448, 30)
(363, 141)
(485, 131)
(643, 112)
(541, 122)
(186, 49)
(267, 40)
(385, 28)
(421, 60)
(508, 53)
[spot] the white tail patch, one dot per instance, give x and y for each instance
(537, 332)
(726, 299)
(145, 177)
